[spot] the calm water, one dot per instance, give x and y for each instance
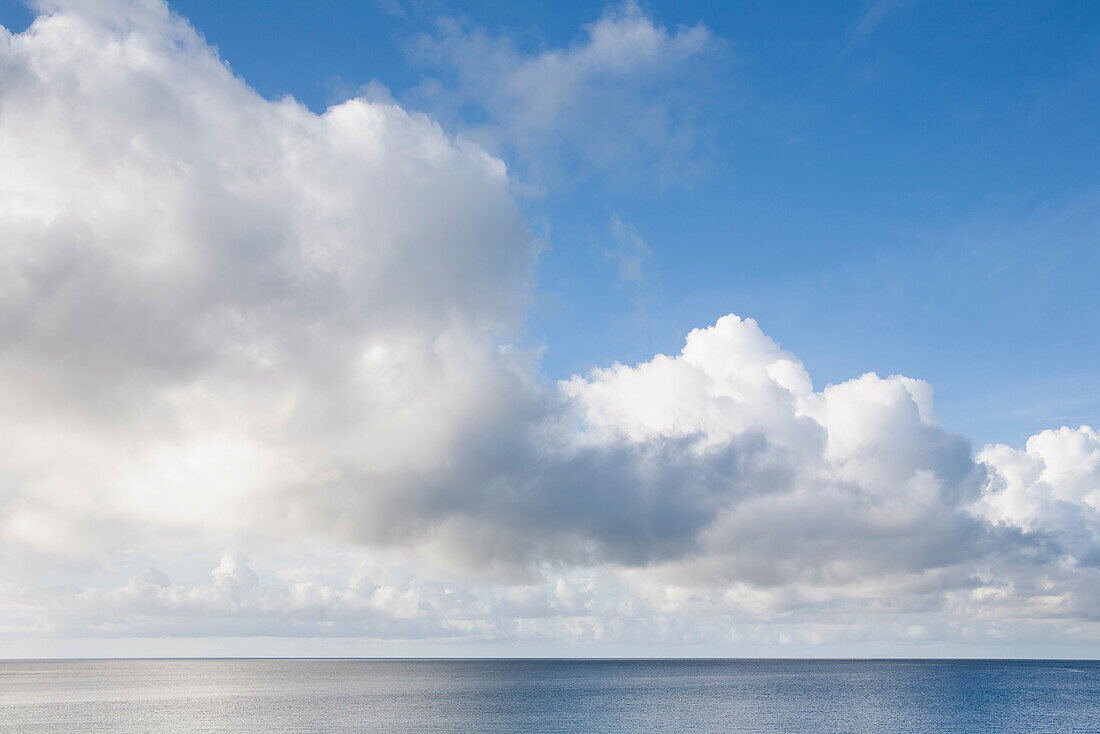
(549, 696)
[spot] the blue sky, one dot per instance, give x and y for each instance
(904, 187)
(338, 326)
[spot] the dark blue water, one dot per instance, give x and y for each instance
(549, 696)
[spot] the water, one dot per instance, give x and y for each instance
(549, 696)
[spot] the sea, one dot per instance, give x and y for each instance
(268, 695)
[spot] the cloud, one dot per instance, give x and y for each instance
(209, 297)
(852, 482)
(630, 251)
(230, 322)
(1052, 486)
(616, 101)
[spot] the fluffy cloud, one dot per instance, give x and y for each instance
(1052, 487)
(210, 297)
(231, 322)
(848, 483)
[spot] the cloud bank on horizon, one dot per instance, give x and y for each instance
(230, 322)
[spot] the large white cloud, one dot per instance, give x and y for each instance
(208, 295)
(838, 485)
(229, 321)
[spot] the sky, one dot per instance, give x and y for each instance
(497, 329)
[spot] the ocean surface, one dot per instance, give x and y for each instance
(549, 696)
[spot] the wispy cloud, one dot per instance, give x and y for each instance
(875, 13)
(625, 96)
(629, 252)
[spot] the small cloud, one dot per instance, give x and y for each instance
(375, 91)
(233, 571)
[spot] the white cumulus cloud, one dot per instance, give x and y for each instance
(1052, 486)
